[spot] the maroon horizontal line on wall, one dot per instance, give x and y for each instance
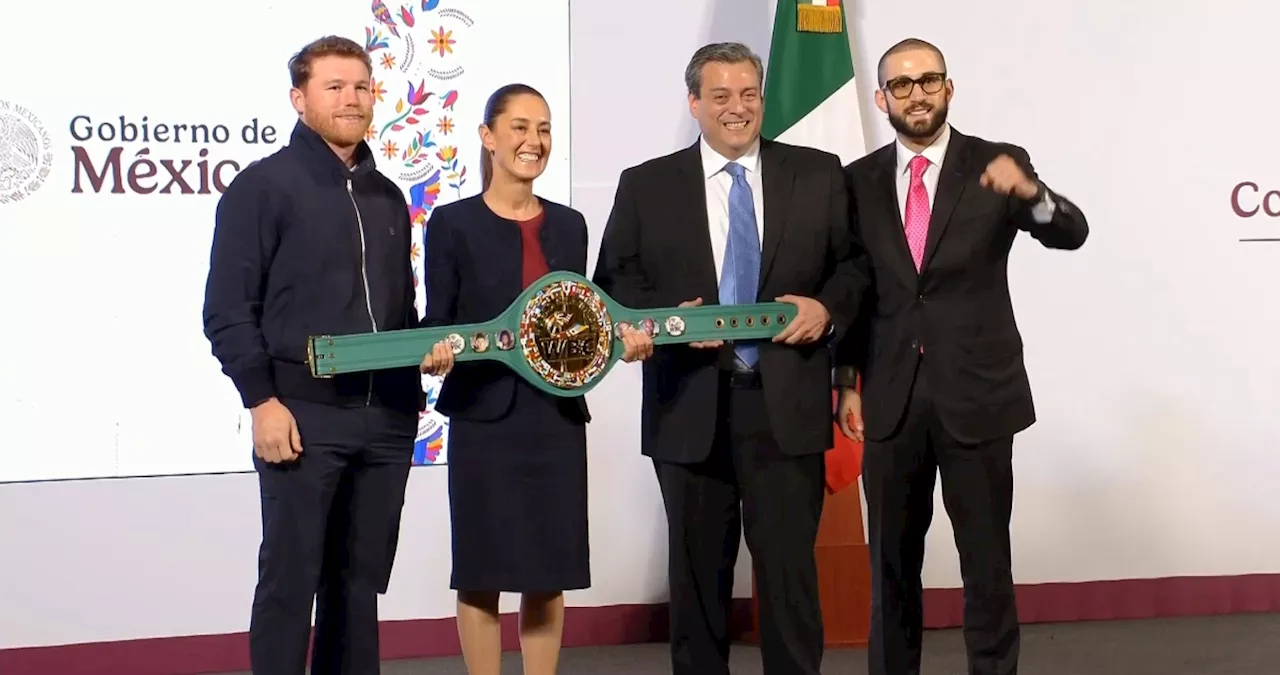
(631, 624)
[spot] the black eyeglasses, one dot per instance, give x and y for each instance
(930, 83)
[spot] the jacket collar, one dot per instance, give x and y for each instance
(312, 145)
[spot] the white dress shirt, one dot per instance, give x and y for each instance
(1042, 212)
(718, 183)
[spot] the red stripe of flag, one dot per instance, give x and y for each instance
(844, 459)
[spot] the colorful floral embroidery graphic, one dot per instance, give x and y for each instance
(428, 447)
(442, 41)
(373, 40)
(422, 197)
(406, 109)
(415, 104)
(383, 15)
(448, 157)
(414, 154)
(448, 99)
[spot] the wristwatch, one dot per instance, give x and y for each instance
(844, 376)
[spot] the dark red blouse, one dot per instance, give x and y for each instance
(534, 263)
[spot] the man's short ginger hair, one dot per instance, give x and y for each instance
(908, 45)
(330, 45)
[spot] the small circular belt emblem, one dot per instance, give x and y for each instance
(456, 343)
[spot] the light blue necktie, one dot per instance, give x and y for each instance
(740, 278)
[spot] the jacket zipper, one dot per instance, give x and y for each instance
(364, 276)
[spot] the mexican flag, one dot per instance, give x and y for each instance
(809, 96)
(810, 100)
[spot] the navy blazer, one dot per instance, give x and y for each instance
(473, 274)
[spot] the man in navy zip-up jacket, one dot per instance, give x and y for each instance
(308, 241)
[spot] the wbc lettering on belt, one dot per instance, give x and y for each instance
(121, 155)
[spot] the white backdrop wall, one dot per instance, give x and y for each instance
(134, 178)
(1155, 450)
(1154, 454)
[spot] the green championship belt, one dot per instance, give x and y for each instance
(562, 335)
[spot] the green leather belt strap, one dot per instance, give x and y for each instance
(705, 323)
(562, 335)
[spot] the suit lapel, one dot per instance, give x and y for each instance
(691, 194)
(885, 176)
(503, 242)
(951, 185)
(550, 240)
(778, 179)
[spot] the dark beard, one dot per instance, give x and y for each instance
(922, 132)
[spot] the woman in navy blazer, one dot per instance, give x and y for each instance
(517, 456)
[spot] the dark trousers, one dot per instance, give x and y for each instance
(330, 522)
(746, 481)
(977, 490)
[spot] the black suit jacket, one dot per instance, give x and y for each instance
(473, 274)
(656, 252)
(958, 306)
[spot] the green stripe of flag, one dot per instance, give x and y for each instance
(804, 69)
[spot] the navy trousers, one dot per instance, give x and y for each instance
(330, 523)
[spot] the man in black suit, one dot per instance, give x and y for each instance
(737, 431)
(940, 355)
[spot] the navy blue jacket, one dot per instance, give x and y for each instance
(473, 273)
(303, 246)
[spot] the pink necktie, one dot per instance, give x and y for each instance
(917, 217)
